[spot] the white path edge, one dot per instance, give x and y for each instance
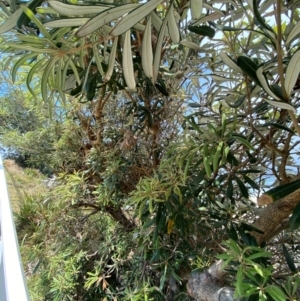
(13, 286)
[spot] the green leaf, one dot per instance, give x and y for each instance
(292, 72)
(11, 22)
(264, 83)
(278, 126)
(33, 49)
(159, 43)
(253, 184)
(280, 104)
(45, 78)
(211, 17)
(229, 191)
(225, 28)
(260, 255)
(276, 293)
(232, 233)
(277, 90)
(75, 10)
(242, 187)
(239, 281)
(134, 17)
(105, 17)
(71, 22)
(229, 61)
(19, 63)
(248, 66)
(294, 32)
(259, 18)
(231, 159)
(26, 16)
(289, 259)
(31, 16)
(294, 222)
(238, 103)
(251, 228)
(245, 171)
(282, 191)
(244, 141)
(32, 71)
(203, 30)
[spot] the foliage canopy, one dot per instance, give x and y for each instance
(167, 119)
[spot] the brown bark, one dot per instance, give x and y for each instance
(118, 215)
(273, 216)
(209, 285)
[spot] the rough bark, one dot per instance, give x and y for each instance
(272, 218)
(118, 215)
(209, 285)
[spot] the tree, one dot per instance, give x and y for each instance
(185, 121)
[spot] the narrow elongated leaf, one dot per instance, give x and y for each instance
(278, 126)
(106, 16)
(127, 62)
(253, 184)
(4, 9)
(98, 60)
(275, 292)
(134, 17)
(32, 39)
(294, 32)
(278, 192)
(33, 49)
(19, 63)
(30, 14)
(277, 90)
(246, 171)
(229, 191)
(206, 18)
(37, 66)
(289, 260)
(203, 30)
(264, 83)
(191, 45)
(259, 18)
(229, 62)
(46, 10)
(294, 222)
(45, 77)
(173, 26)
(226, 28)
(292, 72)
(238, 103)
(67, 22)
(75, 71)
(157, 22)
(112, 59)
(244, 141)
(196, 8)
(280, 104)
(251, 228)
(75, 10)
(25, 18)
(248, 67)
(159, 43)
(11, 22)
(147, 52)
(242, 187)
